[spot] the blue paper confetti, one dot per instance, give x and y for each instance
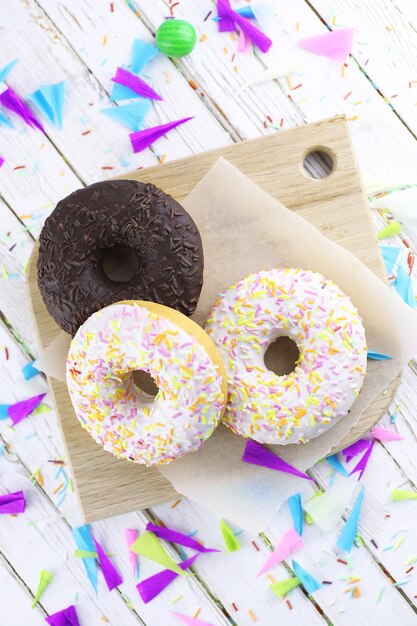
(84, 541)
(142, 53)
(390, 256)
(5, 121)
(130, 115)
(376, 356)
(334, 462)
(308, 581)
(404, 287)
(5, 71)
(4, 411)
(2, 448)
(50, 100)
(348, 534)
(29, 371)
(294, 504)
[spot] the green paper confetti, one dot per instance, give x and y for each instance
(45, 578)
(402, 494)
(282, 588)
(229, 538)
(85, 554)
(149, 546)
(394, 228)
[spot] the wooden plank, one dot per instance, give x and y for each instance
(385, 46)
(96, 473)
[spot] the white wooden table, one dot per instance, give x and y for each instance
(82, 43)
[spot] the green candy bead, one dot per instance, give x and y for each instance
(175, 38)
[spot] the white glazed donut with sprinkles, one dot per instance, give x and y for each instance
(330, 369)
(180, 357)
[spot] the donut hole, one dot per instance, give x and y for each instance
(281, 356)
(120, 264)
(145, 383)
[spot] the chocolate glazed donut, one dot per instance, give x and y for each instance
(128, 218)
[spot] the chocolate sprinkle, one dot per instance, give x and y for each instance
(85, 225)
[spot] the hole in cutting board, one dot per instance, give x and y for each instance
(281, 356)
(318, 164)
(145, 383)
(120, 264)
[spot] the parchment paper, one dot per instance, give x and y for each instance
(245, 230)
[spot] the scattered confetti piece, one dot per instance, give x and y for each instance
(230, 541)
(5, 121)
(66, 617)
(355, 448)
(376, 356)
(292, 65)
(190, 621)
(45, 578)
(397, 495)
(394, 228)
(258, 38)
(348, 534)
(282, 588)
(131, 536)
(290, 542)
(148, 545)
(226, 23)
(5, 71)
(256, 454)
(385, 434)
(334, 462)
(294, 504)
(84, 541)
(130, 115)
(17, 412)
(29, 371)
(404, 287)
(335, 45)
(50, 100)
(151, 587)
(363, 462)
(11, 101)
(176, 537)
(308, 581)
(135, 84)
(144, 138)
(142, 53)
(327, 510)
(111, 575)
(12, 503)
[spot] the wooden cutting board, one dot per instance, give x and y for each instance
(336, 205)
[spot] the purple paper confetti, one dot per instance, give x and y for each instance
(355, 448)
(110, 573)
(362, 463)
(66, 617)
(175, 537)
(226, 23)
(144, 138)
(12, 503)
(258, 37)
(256, 454)
(17, 412)
(136, 84)
(11, 101)
(152, 586)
